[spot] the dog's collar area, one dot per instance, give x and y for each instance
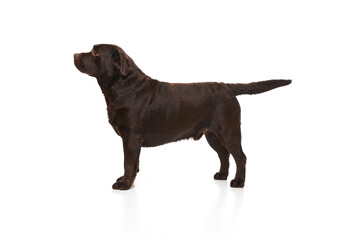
(135, 69)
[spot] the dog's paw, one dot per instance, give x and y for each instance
(237, 183)
(220, 176)
(124, 185)
(120, 179)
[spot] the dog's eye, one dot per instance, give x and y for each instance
(94, 53)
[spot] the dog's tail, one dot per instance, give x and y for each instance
(257, 87)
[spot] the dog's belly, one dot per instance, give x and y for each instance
(165, 129)
(153, 138)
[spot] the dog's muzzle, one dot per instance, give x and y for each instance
(78, 61)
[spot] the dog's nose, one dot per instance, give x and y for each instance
(76, 56)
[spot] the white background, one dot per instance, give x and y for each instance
(59, 156)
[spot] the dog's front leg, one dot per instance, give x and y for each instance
(131, 160)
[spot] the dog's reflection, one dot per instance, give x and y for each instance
(225, 213)
(222, 214)
(129, 217)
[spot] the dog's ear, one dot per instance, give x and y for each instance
(122, 62)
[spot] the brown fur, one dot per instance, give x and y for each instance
(147, 113)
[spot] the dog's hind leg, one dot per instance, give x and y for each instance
(240, 159)
(223, 154)
(227, 128)
(233, 145)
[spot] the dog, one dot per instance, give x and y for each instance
(146, 112)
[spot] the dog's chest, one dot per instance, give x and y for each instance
(116, 119)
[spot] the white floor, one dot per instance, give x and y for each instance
(69, 196)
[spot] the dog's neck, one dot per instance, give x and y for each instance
(132, 78)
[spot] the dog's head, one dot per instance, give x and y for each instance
(104, 61)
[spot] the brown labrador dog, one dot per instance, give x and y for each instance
(146, 112)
